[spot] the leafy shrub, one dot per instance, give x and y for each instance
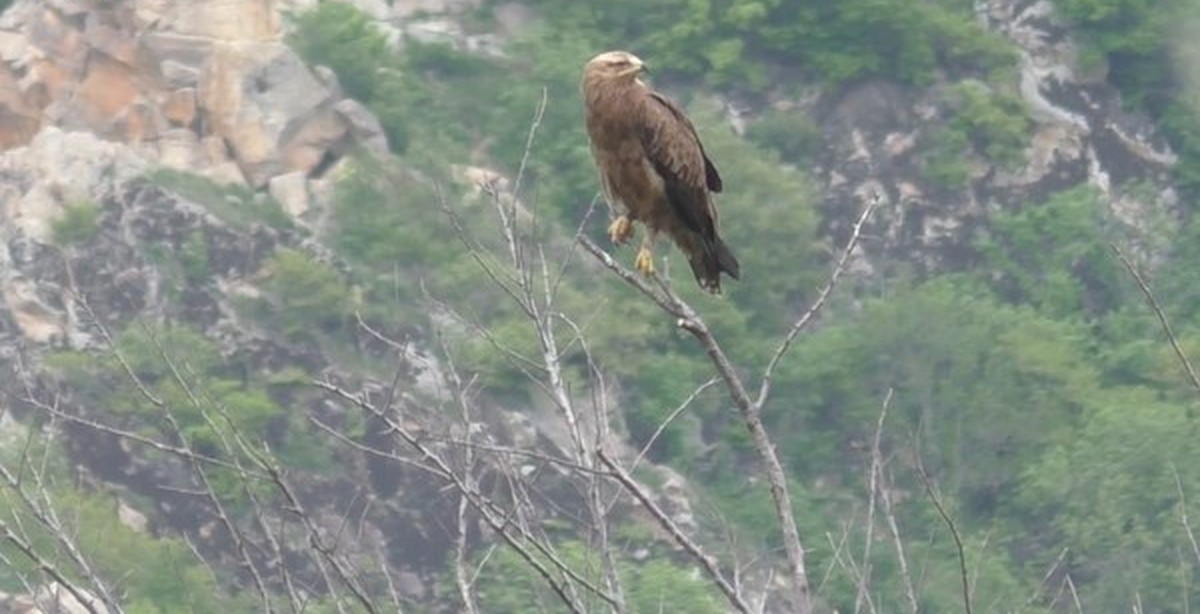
(193, 257)
(167, 578)
(1054, 255)
(792, 133)
(307, 296)
(945, 159)
(77, 225)
(993, 124)
(730, 43)
(508, 585)
(338, 35)
(997, 124)
(1182, 125)
(187, 377)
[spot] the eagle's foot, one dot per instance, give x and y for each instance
(644, 262)
(620, 230)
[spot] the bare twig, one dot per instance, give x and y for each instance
(461, 577)
(764, 390)
(1162, 317)
(852, 568)
(936, 499)
(687, 402)
(1183, 514)
(889, 512)
(1041, 586)
(48, 568)
(707, 562)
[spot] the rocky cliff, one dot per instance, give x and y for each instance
(1082, 135)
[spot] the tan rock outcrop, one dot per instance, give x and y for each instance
(144, 73)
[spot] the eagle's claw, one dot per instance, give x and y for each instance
(644, 262)
(620, 230)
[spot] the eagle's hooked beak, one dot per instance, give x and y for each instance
(638, 68)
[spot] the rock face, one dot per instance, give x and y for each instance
(1081, 135)
(206, 87)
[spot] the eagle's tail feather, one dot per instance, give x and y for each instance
(725, 260)
(708, 264)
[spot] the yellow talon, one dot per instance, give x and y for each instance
(644, 262)
(620, 229)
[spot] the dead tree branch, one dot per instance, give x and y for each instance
(1163, 322)
(707, 562)
(936, 499)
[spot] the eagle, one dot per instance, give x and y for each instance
(653, 168)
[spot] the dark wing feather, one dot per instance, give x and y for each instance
(711, 176)
(674, 149)
(672, 146)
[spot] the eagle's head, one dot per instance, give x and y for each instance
(618, 66)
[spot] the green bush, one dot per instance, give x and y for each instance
(1055, 256)
(732, 43)
(792, 133)
(167, 578)
(307, 296)
(193, 257)
(507, 585)
(995, 125)
(998, 124)
(77, 225)
(338, 35)
(946, 157)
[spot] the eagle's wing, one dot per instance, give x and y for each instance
(671, 144)
(673, 149)
(711, 177)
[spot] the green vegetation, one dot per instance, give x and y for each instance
(185, 388)
(991, 124)
(306, 297)
(1054, 256)
(238, 206)
(792, 133)
(726, 42)
(167, 578)
(77, 225)
(345, 41)
(508, 586)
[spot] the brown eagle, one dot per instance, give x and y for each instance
(653, 168)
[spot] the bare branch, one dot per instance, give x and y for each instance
(687, 402)
(857, 574)
(1183, 514)
(764, 390)
(889, 512)
(931, 490)
(461, 575)
(707, 562)
(48, 568)
(1158, 313)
